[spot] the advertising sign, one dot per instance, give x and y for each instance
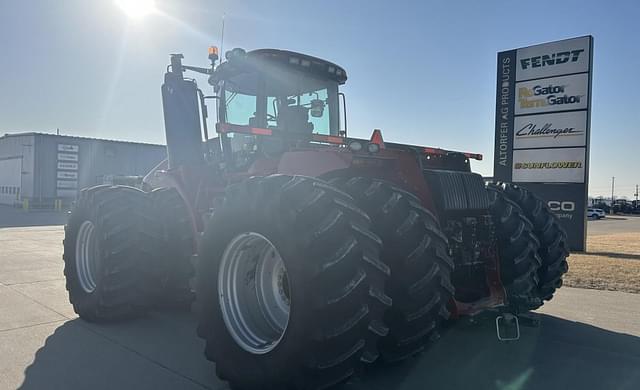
(67, 157)
(560, 93)
(67, 184)
(67, 171)
(549, 165)
(68, 148)
(550, 130)
(68, 165)
(564, 200)
(67, 175)
(555, 58)
(543, 115)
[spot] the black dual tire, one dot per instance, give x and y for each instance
(416, 251)
(553, 249)
(174, 269)
(336, 284)
(517, 250)
(108, 250)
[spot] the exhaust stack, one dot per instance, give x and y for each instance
(180, 104)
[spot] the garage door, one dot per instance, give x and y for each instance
(10, 180)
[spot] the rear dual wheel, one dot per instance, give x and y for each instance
(290, 285)
(518, 251)
(174, 270)
(416, 251)
(554, 249)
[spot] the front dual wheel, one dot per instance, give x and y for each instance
(290, 285)
(108, 248)
(125, 251)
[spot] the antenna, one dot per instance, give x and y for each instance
(222, 38)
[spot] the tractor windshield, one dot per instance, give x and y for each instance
(281, 99)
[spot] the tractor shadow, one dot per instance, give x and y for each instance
(163, 352)
(624, 256)
(158, 351)
(559, 354)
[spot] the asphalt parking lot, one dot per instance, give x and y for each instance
(614, 224)
(587, 339)
(15, 217)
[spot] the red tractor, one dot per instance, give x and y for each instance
(313, 253)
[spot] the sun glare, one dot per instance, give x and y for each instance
(136, 9)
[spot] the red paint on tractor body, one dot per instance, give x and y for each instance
(327, 157)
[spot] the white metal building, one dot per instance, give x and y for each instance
(43, 168)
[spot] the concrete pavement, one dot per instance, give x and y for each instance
(587, 339)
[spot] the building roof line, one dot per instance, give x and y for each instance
(33, 133)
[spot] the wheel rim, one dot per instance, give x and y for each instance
(87, 257)
(254, 291)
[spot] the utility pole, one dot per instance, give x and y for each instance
(636, 194)
(613, 181)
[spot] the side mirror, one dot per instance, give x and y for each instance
(317, 108)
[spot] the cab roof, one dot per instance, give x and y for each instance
(296, 61)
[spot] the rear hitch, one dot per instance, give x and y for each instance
(507, 327)
(508, 324)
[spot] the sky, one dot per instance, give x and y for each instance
(423, 72)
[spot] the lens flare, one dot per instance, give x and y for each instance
(137, 9)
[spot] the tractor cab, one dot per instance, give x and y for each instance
(280, 90)
(269, 91)
(257, 93)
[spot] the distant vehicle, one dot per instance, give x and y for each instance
(602, 206)
(622, 206)
(595, 213)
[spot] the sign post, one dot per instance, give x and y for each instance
(543, 116)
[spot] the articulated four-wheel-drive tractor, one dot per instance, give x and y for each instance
(309, 254)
